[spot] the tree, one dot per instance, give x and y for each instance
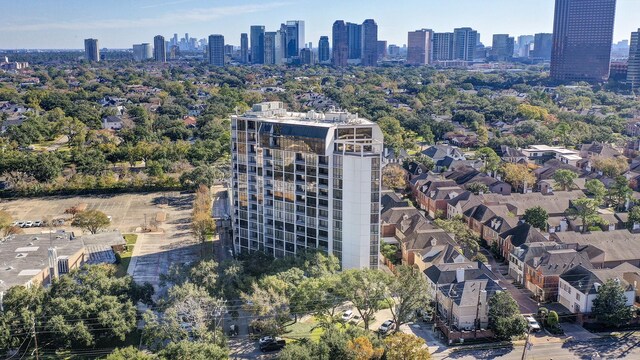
(597, 189)
(191, 350)
(206, 175)
(409, 292)
(586, 210)
(269, 302)
(504, 316)
(518, 175)
(634, 217)
(6, 222)
(536, 217)
(298, 351)
(620, 192)
(366, 289)
(552, 318)
(478, 188)
(564, 179)
(468, 240)
(394, 177)
(362, 349)
(91, 220)
(129, 353)
(610, 305)
(491, 160)
(611, 167)
(401, 346)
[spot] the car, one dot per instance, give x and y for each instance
(532, 323)
(21, 224)
(15, 223)
(28, 224)
(37, 223)
(347, 315)
(265, 340)
(387, 326)
(274, 345)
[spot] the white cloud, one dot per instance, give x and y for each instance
(165, 4)
(193, 15)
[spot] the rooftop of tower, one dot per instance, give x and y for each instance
(275, 111)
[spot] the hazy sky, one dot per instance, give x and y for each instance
(121, 23)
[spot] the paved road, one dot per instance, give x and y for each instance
(522, 296)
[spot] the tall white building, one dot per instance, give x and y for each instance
(306, 181)
(142, 52)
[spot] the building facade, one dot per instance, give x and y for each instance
(340, 55)
(142, 52)
(159, 49)
(244, 48)
(216, 50)
(502, 47)
(324, 53)
(582, 38)
(295, 38)
(369, 43)
(442, 46)
(306, 181)
(419, 47)
(355, 41)
(464, 43)
(91, 50)
(633, 64)
(542, 45)
(257, 44)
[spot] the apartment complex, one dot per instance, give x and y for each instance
(91, 50)
(306, 181)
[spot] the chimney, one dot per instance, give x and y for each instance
(460, 274)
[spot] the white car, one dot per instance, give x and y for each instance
(347, 315)
(266, 339)
(532, 323)
(28, 224)
(387, 326)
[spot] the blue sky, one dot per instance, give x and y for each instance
(121, 23)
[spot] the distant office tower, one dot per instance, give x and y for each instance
(442, 46)
(323, 49)
(502, 47)
(382, 49)
(307, 56)
(91, 50)
(142, 52)
(273, 48)
(159, 49)
(295, 38)
(229, 50)
(419, 47)
(542, 45)
(464, 43)
(216, 50)
(306, 181)
(340, 46)
(355, 41)
(369, 43)
(174, 52)
(523, 46)
(633, 69)
(394, 51)
(174, 40)
(257, 44)
(582, 37)
(244, 48)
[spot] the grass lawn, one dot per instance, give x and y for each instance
(303, 329)
(125, 257)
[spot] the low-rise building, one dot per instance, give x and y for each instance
(578, 287)
(606, 249)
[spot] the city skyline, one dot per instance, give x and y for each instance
(64, 26)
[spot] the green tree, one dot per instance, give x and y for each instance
(365, 289)
(610, 305)
(552, 319)
(586, 210)
(362, 349)
(490, 158)
(634, 217)
(6, 222)
(394, 177)
(202, 175)
(91, 220)
(129, 353)
(564, 179)
(504, 316)
(478, 188)
(596, 189)
(620, 192)
(408, 293)
(518, 175)
(401, 346)
(298, 351)
(468, 240)
(536, 217)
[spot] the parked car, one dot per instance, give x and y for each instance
(386, 327)
(274, 345)
(20, 224)
(28, 224)
(347, 315)
(266, 339)
(37, 223)
(532, 323)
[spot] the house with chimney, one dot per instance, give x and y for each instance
(578, 287)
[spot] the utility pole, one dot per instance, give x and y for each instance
(526, 344)
(35, 337)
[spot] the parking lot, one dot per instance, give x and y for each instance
(169, 242)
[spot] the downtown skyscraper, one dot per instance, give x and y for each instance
(582, 38)
(464, 43)
(257, 44)
(633, 71)
(91, 50)
(340, 45)
(142, 52)
(294, 38)
(355, 41)
(244, 48)
(369, 43)
(306, 181)
(502, 47)
(324, 53)
(442, 46)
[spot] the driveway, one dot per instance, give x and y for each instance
(577, 332)
(521, 296)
